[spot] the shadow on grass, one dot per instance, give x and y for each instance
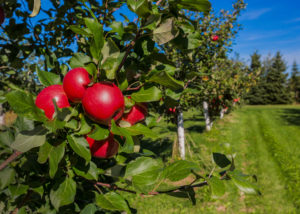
(292, 116)
(161, 147)
(196, 128)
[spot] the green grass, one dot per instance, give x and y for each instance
(266, 140)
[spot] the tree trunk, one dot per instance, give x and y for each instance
(180, 133)
(208, 123)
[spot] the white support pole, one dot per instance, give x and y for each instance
(208, 123)
(222, 113)
(180, 133)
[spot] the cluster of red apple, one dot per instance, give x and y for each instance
(214, 38)
(102, 102)
(172, 110)
(2, 15)
(236, 100)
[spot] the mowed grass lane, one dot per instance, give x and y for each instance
(266, 140)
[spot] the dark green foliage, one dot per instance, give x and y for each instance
(271, 87)
(294, 83)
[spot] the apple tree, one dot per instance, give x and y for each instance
(77, 86)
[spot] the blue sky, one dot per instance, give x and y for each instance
(268, 26)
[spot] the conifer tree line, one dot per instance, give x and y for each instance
(274, 85)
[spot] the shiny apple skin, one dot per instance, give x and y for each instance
(215, 37)
(103, 148)
(137, 114)
(103, 102)
(75, 83)
(2, 16)
(45, 97)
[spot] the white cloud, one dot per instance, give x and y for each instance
(255, 14)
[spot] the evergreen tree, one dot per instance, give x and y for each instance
(256, 94)
(294, 82)
(275, 86)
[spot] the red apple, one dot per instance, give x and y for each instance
(75, 83)
(137, 114)
(45, 97)
(2, 15)
(103, 148)
(103, 102)
(215, 37)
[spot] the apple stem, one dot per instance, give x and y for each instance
(10, 159)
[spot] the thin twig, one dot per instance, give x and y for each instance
(189, 81)
(134, 89)
(212, 171)
(10, 159)
(157, 3)
(130, 46)
(26, 198)
(181, 188)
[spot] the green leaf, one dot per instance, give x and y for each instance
(89, 171)
(89, 209)
(194, 5)
(72, 124)
(78, 30)
(217, 187)
(147, 95)
(142, 165)
(165, 32)
(23, 104)
(140, 7)
(117, 27)
(44, 151)
(6, 138)
(79, 60)
(173, 95)
(109, 50)
(111, 58)
(96, 28)
(80, 146)
(63, 193)
(47, 78)
(17, 190)
(99, 133)
(163, 78)
(85, 128)
(221, 160)
(194, 40)
(55, 156)
(140, 129)
(243, 185)
(27, 140)
(179, 170)
(7, 176)
(145, 173)
(112, 201)
(129, 144)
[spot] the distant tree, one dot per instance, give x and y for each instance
(294, 82)
(257, 93)
(275, 86)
